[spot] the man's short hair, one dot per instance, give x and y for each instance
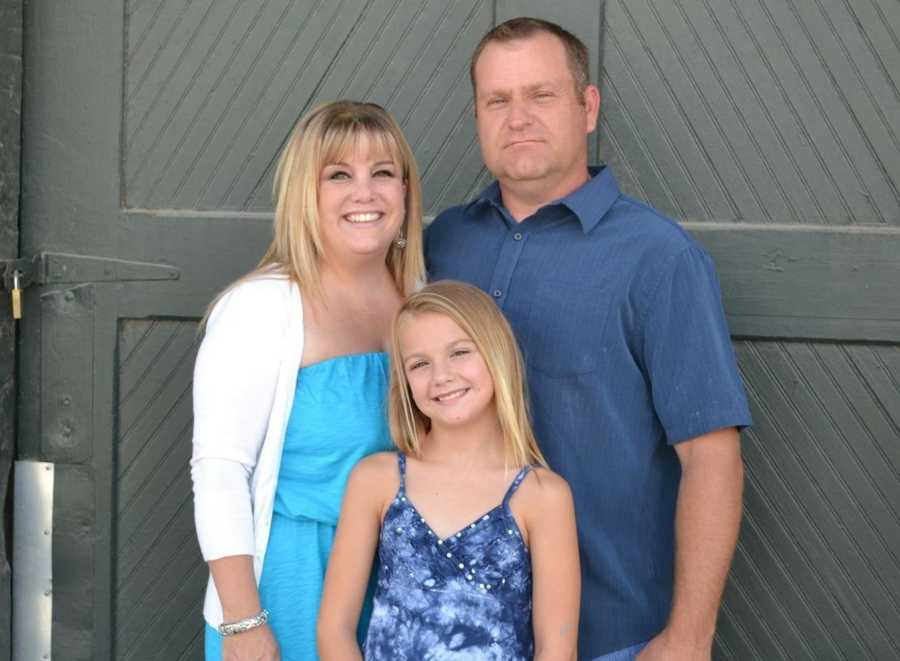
(524, 27)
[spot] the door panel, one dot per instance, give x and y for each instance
(818, 550)
(212, 89)
(159, 574)
(761, 111)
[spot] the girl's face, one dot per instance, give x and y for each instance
(448, 378)
(361, 203)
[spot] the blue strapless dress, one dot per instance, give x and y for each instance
(338, 417)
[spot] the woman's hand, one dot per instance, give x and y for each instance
(233, 576)
(255, 645)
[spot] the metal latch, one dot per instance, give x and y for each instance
(50, 268)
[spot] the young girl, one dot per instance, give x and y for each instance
(477, 549)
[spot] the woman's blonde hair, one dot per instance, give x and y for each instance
(477, 315)
(325, 135)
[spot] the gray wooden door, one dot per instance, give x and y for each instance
(151, 130)
(770, 128)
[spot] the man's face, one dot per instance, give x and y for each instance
(531, 123)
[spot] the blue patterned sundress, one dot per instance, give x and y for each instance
(466, 597)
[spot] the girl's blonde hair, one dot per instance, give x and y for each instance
(477, 315)
(325, 135)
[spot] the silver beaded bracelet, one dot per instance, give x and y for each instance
(246, 624)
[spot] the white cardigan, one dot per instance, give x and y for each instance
(244, 381)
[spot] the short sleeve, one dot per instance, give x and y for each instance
(687, 351)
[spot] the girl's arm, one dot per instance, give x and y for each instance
(553, 542)
(350, 562)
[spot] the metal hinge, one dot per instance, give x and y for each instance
(51, 268)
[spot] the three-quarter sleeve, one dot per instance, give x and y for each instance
(235, 379)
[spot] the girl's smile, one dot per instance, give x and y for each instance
(452, 395)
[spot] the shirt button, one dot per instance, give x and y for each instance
(517, 236)
(497, 293)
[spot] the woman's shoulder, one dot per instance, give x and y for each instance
(263, 295)
(260, 286)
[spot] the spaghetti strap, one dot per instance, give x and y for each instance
(401, 465)
(515, 484)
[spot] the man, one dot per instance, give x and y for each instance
(635, 393)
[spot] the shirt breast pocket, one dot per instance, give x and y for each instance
(564, 331)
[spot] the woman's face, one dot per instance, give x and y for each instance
(361, 203)
(448, 378)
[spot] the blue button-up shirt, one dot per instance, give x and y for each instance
(619, 316)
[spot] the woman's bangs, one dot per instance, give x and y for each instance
(342, 142)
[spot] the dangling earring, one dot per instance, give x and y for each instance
(400, 242)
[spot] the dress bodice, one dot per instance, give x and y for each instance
(466, 596)
(338, 417)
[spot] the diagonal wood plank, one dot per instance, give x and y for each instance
(816, 571)
(158, 572)
(786, 112)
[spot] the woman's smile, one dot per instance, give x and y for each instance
(362, 203)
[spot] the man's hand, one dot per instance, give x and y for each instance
(707, 518)
(668, 647)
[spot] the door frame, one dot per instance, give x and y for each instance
(11, 22)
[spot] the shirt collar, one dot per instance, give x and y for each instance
(594, 198)
(589, 202)
(491, 195)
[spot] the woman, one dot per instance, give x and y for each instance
(289, 395)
